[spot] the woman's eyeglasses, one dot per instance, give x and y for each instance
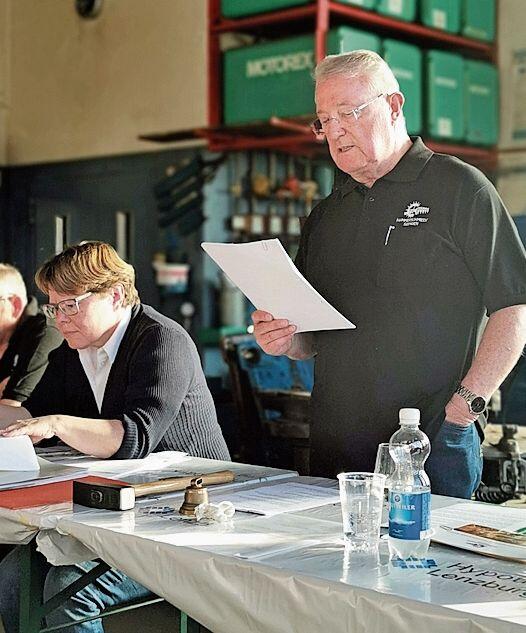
(69, 307)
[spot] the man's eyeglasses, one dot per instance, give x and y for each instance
(320, 125)
(69, 307)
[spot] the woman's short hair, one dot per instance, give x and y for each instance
(88, 266)
(361, 63)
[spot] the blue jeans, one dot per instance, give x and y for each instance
(455, 463)
(110, 589)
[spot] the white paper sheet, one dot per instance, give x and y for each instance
(267, 276)
(270, 500)
(17, 453)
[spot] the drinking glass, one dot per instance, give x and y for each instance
(361, 496)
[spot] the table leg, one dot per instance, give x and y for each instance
(32, 573)
(187, 625)
(33, 570)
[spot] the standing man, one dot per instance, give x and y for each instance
(126, 381)
(415, 248)
(26, 339)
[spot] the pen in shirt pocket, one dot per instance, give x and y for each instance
(391, 228)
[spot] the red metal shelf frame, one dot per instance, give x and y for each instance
(293, 135)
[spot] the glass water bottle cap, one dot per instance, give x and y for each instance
(411, 417)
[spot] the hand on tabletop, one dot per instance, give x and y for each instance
(37, 428)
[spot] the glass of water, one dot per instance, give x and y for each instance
(361, 496)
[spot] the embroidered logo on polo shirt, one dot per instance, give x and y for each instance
(412, 214)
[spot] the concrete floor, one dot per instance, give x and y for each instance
(157, 618)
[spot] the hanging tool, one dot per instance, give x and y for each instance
(180, 193)
(274, 221)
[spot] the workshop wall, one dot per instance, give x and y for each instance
(4, 76)
(88, 87)
(512, 68)
(511, 181)
(511, 173)
(88, 194)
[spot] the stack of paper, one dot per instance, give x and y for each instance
(17, 453)
(270, 500)
(118, 468)
(47, 473)
(20, 467)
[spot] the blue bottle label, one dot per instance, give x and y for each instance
(409, 515)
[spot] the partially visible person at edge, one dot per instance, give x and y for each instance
(415, 248)
(26, 339)
(127, 381)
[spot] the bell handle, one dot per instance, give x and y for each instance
(180, 483)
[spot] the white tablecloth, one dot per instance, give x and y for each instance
(284, 573)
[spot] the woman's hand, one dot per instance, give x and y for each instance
(36, 428)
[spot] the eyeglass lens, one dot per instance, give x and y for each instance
(69, 307)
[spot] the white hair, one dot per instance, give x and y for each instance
(361, 63)
(12, 283)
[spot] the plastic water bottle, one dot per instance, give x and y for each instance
(410, 494)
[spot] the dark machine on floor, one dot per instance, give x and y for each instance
(272, 395)
(504, 471)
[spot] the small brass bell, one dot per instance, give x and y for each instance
(194, 495)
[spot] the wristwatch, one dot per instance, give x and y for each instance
(476, 404)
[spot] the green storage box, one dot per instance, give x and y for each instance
(481, 96)
(274, 78)
(401, 9)
(441, 14)
(405, 61)
(364, 4)
(478, 19)
(240, 8)
(445, 95)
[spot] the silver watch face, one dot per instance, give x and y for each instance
(477, 405)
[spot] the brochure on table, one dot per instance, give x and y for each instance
(490, 530)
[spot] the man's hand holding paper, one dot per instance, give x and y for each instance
(274, 336)
(278, 336)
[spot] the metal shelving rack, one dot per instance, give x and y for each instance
(293, 135)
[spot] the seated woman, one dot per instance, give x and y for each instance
(126, 381)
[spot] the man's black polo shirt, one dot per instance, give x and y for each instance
(415, 262)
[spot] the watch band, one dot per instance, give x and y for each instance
(465, 393)
(477, 404)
